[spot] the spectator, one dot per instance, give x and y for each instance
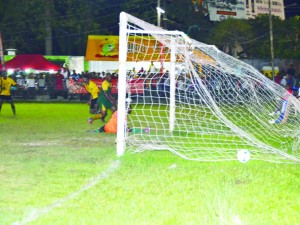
(103, 74)
(57, 86)
(75, 76)
(141, 70)
(30, 86)
(278, 78)
(297, 80)
(65, 72)
(152, 68)
(20, 79)
(290, 80)
(283, 81)
(41, 83)
(291, 70)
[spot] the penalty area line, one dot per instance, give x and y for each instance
(37, 213)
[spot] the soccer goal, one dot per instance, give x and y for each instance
(198, 102)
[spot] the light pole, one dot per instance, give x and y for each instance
(271, 40)
(1, 54)
(271, 36)
(159, 12)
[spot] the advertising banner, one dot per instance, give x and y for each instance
(222, 9)
(102, 48)
(140, 48)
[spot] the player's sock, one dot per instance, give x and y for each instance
(97, 116)
(136, 130)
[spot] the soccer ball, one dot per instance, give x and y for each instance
(243, 156)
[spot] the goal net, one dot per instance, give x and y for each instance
(197, 101)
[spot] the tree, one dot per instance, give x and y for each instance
(292, 43)
(284, 33)
(21, 25)
(230, 33)
(33, 26)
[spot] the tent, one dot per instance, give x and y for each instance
(30, 61)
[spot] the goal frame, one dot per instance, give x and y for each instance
(184, 55)
(122, 82)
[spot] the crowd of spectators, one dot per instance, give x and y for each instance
(55, 85)
(288, 77)
(32, 84)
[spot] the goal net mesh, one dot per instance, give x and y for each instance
(222, 105)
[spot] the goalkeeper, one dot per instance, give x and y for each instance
(112, 125)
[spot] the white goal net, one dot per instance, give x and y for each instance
(199, 102)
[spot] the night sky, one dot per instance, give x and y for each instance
(291, 11)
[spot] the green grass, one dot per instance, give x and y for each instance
(54, 172)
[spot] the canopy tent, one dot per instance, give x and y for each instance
(30, 61)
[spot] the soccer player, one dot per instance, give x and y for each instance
(5, 94)
(284, 107)
(93, 89)
(112, 125)
(105, 99)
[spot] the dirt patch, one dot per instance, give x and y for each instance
(41, 143)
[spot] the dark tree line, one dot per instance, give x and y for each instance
(62, 27)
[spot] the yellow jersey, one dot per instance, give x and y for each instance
(92, 88)
(106, 86)
(5, 85)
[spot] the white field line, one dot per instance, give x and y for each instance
(37, 213)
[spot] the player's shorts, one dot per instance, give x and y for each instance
(6, 97)
(94, 103)
(103, 108)
(104, 103)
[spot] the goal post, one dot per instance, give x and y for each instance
(122, 84)
(202, 105)
(123, 35)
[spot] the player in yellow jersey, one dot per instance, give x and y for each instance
(93, 89)
(5, 95)
(105, 99)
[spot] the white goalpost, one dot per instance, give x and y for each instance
(202, 105)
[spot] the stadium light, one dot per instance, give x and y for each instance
(10, 71)
(160, 10)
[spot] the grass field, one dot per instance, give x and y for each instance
(54, 172)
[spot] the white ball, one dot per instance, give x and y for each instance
(243, 156)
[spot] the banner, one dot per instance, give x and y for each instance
(222, 9)
(106, 48)
(102, 48)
